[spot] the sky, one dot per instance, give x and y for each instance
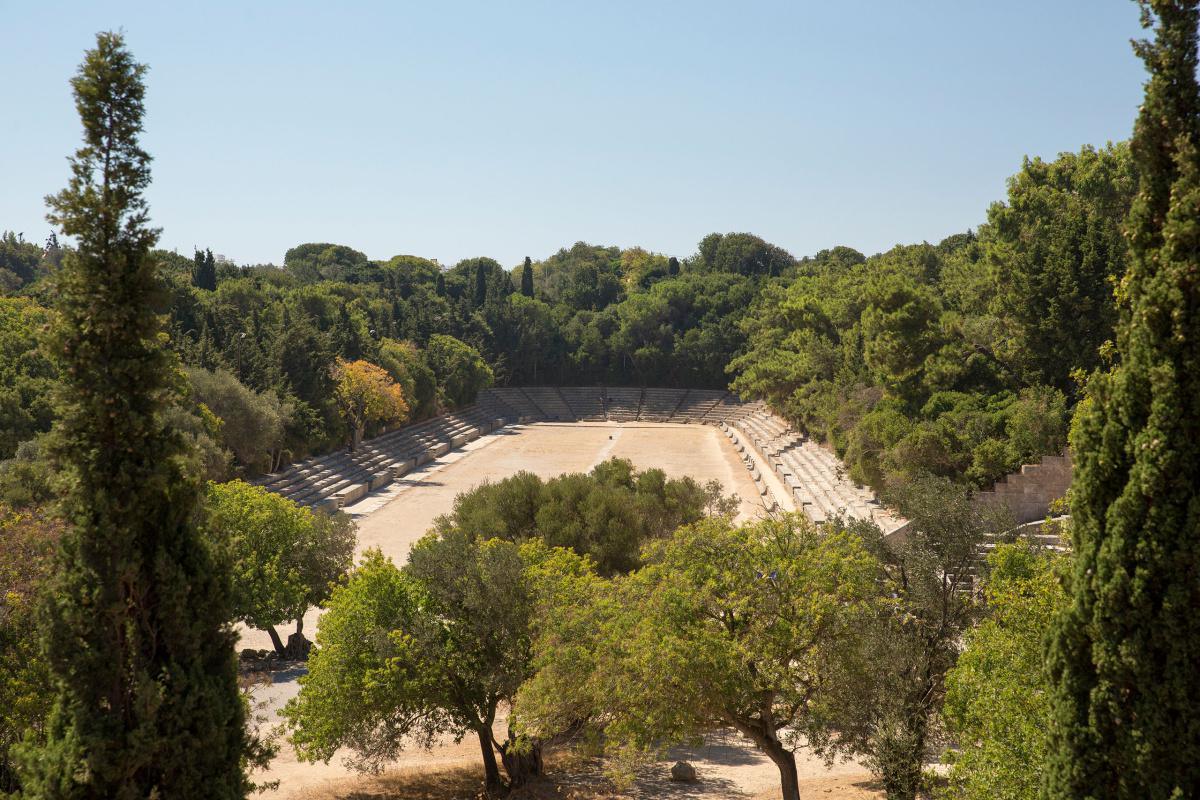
(458, 129)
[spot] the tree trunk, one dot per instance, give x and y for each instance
(785, 760)
(275, 640)
(520, 762)
(903, 757)
(491, 773)
(298, 645)
(356, 437)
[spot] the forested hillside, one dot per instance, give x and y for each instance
(962, 358)
(959, 358)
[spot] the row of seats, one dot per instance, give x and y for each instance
(331, 481)
(618, 404)
(818, 484)
(811, 473)
(658, 405)
(585, 402)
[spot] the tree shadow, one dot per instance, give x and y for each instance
(417, 482)
(586, 778)
(289, 673)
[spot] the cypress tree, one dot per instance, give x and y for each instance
(136, 624)
(440, 286)
(198, 268)
(210, 271)
(672, 266)
(1124, 655)
(527, 278)
(204, 273)
(481, 277)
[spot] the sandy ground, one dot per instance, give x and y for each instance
(393, 518)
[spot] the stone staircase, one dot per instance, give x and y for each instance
(337, 479)
(1028, 493)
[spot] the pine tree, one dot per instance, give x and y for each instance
(1125, 654)
(136, 625)
(527, 278)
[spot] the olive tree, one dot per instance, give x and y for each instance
(742, 623)
(406, 655)
(283, 556)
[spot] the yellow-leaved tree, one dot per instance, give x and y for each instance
(366, 394)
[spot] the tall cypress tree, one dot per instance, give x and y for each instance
(1125, 654)
(204, 272)
(527, 278)
(210, 271)
(481, 277)
(136, 624)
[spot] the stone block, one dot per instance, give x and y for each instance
(351, 494)
(326, 505)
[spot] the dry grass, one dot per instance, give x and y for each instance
(248, 680)
(447, 783)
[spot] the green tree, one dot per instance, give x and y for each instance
(481, 284)
(887, 698)
(1053, 252)
(204, 273)
(283, 557)
(404, 656)
(608, 514)
(405, 363)
(743, 253)
(253, 425)
(527, 278)
(18, 261)
(1123, 655)
(997, 695)
(27, 544)
(460, 369)
(320, 261)
(136, 624)
(26, 375)
(741, 623)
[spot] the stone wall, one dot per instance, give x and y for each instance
(1029, 492)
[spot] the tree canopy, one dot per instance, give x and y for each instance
(742, 622)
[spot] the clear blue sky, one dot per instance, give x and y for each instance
(452, 130)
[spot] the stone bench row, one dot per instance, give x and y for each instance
(381, 459)
(767, 497)
(810, 474)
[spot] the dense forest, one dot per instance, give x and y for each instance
(961, 358)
